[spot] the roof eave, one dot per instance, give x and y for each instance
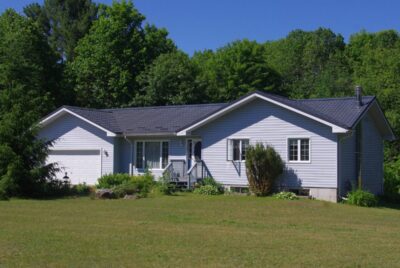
(63, 110)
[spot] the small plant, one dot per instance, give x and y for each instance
(164, 186)
(127, 188)
(81, 189)
(207, 190)
(263, 167)
(361, 198)
(211, 181)
(286, 196)
(109, 181)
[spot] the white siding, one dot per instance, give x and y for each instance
(72, 133)
(261, 121)
(372, 157)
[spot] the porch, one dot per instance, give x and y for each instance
(177, 172)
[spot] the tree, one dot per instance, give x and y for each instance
(312, 64)
(263, 166)
(116, 50)
(235, 70)
(64, 22)
(171, 79)
(26, 84)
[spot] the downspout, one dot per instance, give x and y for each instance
(131, 156)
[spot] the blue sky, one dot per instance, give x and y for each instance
(209, 24)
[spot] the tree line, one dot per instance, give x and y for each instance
(77, 52)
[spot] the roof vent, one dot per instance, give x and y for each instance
(358, 92)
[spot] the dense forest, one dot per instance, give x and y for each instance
(77, 52)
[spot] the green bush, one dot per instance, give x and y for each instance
(165, 186)
(3, 195)
(81, 189)
(211, 181)
(392, 178)
(361, 198)
(263, 167)
(286, 196)
(127, 188)
(207, 190)
(109, 181)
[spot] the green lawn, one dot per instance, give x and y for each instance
(191, 230)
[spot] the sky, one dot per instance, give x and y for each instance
(209, 24)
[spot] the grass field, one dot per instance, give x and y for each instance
(189, 230)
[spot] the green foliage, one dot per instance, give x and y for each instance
(122, 183)
(312, 64)
(81, 189)
(111, 56)
(234, 70)
(211, 181)
(361, 198)
(207, 190)
(170, 79)
(263, 166)
(63, 22)
(286, 196)
(164, 186)
(25, 94)
(108, 181)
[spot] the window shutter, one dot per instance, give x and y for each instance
(229, 150)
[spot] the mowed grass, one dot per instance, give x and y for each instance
(193, 231)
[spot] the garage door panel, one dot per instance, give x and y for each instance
(80, 165)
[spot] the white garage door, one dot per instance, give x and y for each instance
(80, 165)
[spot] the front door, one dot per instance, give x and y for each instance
(193, 154)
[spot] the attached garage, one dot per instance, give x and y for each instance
(80, 165)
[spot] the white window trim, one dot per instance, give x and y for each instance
(144, 156)
(298, 138)
(240, 147)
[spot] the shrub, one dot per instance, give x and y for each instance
(207, 190)
(286, 196)
(164, 186)
(263, 166)
(143, 183)
(211, 181)
(81, 189)
(127, 188)
(392, 179)
(3, 195)
(361, 198)
(109, 181)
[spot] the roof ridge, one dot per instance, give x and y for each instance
(161, 106)
(332, 98)
(86, 109)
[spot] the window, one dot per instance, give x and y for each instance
(299, 150)
(152, 154)
(236, 149)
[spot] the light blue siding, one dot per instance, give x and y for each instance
(72, 133)
(176, 151)
(261, 121)
(372, 157)
(347, 163)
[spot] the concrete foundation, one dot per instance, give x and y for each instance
(326, 194)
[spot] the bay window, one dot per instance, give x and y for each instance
(152, 154)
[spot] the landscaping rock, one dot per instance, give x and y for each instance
(131, 196)
(105, 194)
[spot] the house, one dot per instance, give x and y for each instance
(327, 144)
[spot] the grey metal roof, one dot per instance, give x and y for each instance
(155, 120)
(159, 120)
